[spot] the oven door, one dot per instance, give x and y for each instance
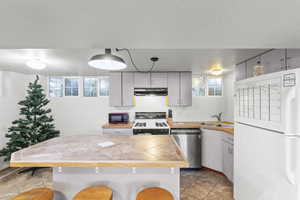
(164, 131)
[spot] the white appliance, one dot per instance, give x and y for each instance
(267, 137)
(154, 123)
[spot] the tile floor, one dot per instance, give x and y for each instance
(195, 185)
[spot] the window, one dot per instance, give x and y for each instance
(56, 86)
(104, 86)
(71, 86)
(214, 86)
(198, 88)
(90, 86)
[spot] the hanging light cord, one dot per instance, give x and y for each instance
(133, 63)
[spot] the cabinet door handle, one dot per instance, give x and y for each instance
(230, 150)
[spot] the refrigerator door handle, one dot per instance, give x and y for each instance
(288, 159)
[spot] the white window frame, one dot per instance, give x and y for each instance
(222, 87)
(97, 86)
(205, 87)
(70, 77)
(80, 86)
(48, 87)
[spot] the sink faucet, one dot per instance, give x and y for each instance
(218, 116)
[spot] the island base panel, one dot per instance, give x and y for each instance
(124, 181)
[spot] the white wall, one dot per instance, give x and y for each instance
(86, 115)
(12, 90)
(229, 96)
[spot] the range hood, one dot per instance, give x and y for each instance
(150, 91)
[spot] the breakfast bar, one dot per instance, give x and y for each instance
(125, 163)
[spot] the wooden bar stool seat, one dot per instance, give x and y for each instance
(35, 194)
(99, 192)
(154, 193)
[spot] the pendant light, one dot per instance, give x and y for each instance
(107, 61)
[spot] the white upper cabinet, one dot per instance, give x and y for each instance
(240, 71)
(128, 88)
(293, 58)
(180, 88)
(122, 86)
(185, 88)
(174, 88)
(250, 67)
(115, 90)
(159, 80)
(142, 80)
(121, 89)
(150, 80)
(273, 61)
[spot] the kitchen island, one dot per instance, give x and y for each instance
(125, 163)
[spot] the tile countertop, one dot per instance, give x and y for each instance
(89, 151)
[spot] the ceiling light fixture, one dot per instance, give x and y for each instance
(36, 64)
(216, 70)
(107, 61)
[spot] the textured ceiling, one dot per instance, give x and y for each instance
(151, 24)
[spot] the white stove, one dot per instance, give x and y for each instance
(153, 123)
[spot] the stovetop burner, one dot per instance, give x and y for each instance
(140, 124)
(154, 123)
(161, 124)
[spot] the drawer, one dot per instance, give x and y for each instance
(117, 131)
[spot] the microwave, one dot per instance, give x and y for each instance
(118, 118)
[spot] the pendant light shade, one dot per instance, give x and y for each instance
(107, 61)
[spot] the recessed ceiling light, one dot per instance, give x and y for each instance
(107, 61)
(36, 64)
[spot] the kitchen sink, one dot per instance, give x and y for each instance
(220, 125)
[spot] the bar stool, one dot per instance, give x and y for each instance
(35, 194)
(154, 193)
(99, 192)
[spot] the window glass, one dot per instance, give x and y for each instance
(56, 86)
(104, 86)
(198, 86)
(215, 86)
(90, 87)
(71, 86)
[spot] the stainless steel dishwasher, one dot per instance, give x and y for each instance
(189, 139)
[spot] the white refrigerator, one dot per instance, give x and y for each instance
(267, 137)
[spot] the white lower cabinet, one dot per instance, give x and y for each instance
(228, 160)
(120, 131)
(217, 151)
(212, 149)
